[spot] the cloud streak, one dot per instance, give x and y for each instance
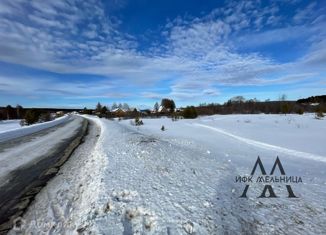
(198, 54)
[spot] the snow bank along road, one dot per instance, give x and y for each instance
(29, 161)
(12, 129)
(141, 180)
(6, 125)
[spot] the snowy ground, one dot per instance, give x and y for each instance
(12, 129)
(141, 180)
(7, 125)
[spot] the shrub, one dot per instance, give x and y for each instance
(300, 111)
(87, 111)
(190, 112)
(138, 122)
(98, 107)
(175, 117)
(45, 117)
(285, 108)
(104, 110)
(32, 116)
(319, 114)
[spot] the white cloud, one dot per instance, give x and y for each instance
(152, 95)
(198, 54)
(47, 86)
(304, 14)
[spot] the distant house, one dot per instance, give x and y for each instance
(162, 109)
(145, 111)
(118, 112)
(59, 114)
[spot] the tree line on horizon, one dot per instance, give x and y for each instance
(28, 115)
(239, 105)
(235, 105)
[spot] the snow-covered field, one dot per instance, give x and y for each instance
(12, 129)
(141, 180)
(7, 125)
(300, 133)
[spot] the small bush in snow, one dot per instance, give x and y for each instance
(319, 114)
(175, 117)
(300, 111)
(45, 117)
(138, 121)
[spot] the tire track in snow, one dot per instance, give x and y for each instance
(259, 144)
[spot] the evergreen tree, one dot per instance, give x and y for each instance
(104, 109)
(98, 107)
(125, 107)
(156, 107)
(114, 105)
(32, 116)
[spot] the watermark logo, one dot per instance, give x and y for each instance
(268, 180)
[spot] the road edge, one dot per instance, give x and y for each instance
(28, 197)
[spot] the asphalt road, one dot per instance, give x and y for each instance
(48, 150)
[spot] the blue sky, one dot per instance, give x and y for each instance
(74, 53)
